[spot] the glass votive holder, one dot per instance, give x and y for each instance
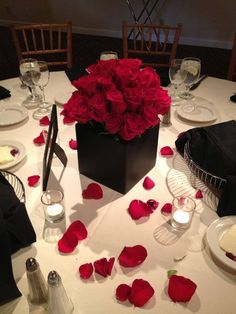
(108, 55)
(52, 201)
(182, 212)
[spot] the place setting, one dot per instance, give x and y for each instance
(186, 73)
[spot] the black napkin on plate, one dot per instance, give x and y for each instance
(16, 232)
(4, 93)
(213, 148)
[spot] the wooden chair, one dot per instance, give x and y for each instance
(156, 45)
(49, 42)
(231, 75)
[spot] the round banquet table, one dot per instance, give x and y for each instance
(109, 224)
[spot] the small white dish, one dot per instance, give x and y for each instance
(18, 157)
(62, 98)
(204, 111)
(12, 114)
(214, 233)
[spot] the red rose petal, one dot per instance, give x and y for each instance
(123, 292)
(153, 204)
(132, 256)
(166, 209)
(79, 229)
(33, 180)
(199, 194)
(110, 265)
(67, 120)
(141, 292)
(148, 183)
(166, 151)
(39, 140)
(73, 144)
(86, 270)
(138, 209)
(101, 267)
(67, 243)
(93, 191)
(181, 289)
(14, 152)
(44, 121)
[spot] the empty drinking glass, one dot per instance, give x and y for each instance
(40, 77)
(26, 67)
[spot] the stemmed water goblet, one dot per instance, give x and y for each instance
(40, 77)
(26, 67)
(192, 66)
(177, 75)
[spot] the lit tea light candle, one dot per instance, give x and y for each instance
(183, 209)
(181, 218)
(54, 210)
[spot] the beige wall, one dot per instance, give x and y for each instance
(205, 22)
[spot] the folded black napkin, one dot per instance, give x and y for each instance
(16, 232)
(213, 148)
(4, 93)
(233, 98)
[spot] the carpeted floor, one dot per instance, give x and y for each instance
(86, 50)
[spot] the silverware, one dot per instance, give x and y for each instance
(201, 78)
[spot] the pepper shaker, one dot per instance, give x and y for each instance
(38, 293)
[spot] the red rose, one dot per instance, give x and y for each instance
(132, 64)
(133, 98)
(181, 289)
(98, 107)
(112, 123)
(86, 85)
(117, 104)
(148, 78)
(77, 108)
(103, 67)
(132, 125)
(163, 100)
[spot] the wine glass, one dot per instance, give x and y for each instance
(192, 66)
(177, 75)
(40, 77)
(26, 67)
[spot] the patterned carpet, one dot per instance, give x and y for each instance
(86, 50)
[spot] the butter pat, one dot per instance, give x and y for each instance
(228, 240)
(5, 155)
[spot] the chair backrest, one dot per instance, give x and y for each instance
(49, 42)
(231, 75)
(156, 45)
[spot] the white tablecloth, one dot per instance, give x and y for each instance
(109, 225)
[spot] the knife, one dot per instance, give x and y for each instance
(201, 78)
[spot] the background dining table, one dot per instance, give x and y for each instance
(109, 225)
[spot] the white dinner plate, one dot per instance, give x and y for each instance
(204, 111)
(62, 98)
(12, 114)
(214, 233)
(18, 157)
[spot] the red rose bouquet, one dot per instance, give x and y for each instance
(125, 99)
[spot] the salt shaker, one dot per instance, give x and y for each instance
(58, 301)
(38, 293)
(166, 118)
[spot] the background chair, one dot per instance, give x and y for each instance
(156, 45)
(49, 42)
(231, 75)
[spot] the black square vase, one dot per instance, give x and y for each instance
(118, 165)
